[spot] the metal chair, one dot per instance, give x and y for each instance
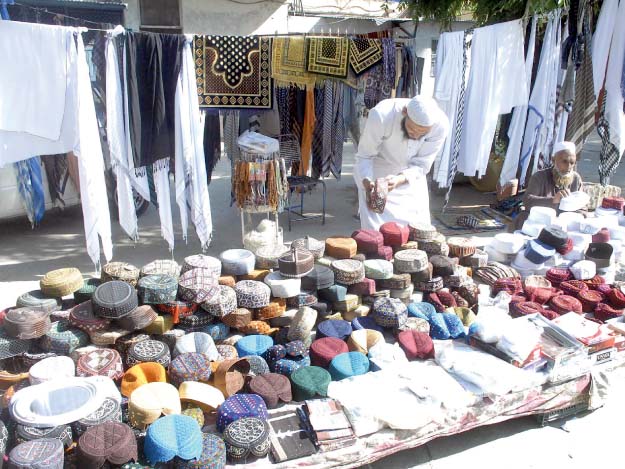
(291, 152)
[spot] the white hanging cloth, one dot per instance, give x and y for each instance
(446, 92)
(601, 40)
(79, 128)
(519, 116)
(538, 138)
(497, 62)
(191, 183)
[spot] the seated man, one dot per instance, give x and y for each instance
(547, 187)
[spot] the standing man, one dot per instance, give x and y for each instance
(399, 143)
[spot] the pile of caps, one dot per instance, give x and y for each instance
(132, 367)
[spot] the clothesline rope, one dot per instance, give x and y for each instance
(45, 10)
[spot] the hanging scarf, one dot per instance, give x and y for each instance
(388, 60)
(57, 174)
(30, 186)
(212, 143)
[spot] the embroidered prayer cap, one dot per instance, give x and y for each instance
(148, 402)
(568, 147)
(171, 436)
(348, 364)
(282, 287)
(237, 319)
(252, 294)
(274, 309)
(125, 343)
(604, 312)
(423, 276)
(366, 287)
(63, 339)
(333, 293)
(415, 324)
(112, 442)
(160, 325)
(394, 234)
(200, 261)
(245, 437)
(590, 299)
(368, 241)
(256, 274)
(36, 300)
(258, 365)
(272, 387)
(584, 270)
(302, 324)
(363, 339)
(423, 110)
(157, 288)
(207, 397)
(616, 298)
(218, 331)
(83, 317)
(255, 344)
(383, 252)
(26, 323)
(613, 202)
(139, 318)
(318, 278)
(23, 433)
(198, 285)
(454, 325)
(61, 282)
(296, 263)
(258, 328)
(394, 282)
(50, 369)
(239, 406)
(303, 298)
(114, 299)
(310, 381)
(197, 342)
(189, 367)
(122, 271)
(416, 344)
(563, 304)
(323, 350)
(601, 254)
(227, 280)
(341, 247)
(213, 454)
(161, 267)
(316, 247)
(523, 308)
(100, 362)
(365, 322)
(267, 256)
(573, 287)
(538, 252)
(460, 246)
(45, 453)
(377, 269)
(442, 266)
(421, 231)
(286, 366)
(85, 292)
(177, 309)
(389, 312)
(196, 321)
(223, 303)
(141, 374)
(553, 237)
(57, 402)
(107, 336)
(556, 275)
(348, 271)
(329, 328)
(237, 261)
(148, 351)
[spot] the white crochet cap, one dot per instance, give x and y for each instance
(584, 270)
(564, 146)
(422, 110)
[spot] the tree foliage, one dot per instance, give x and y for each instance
(483, 11)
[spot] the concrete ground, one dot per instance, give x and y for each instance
(27, 254)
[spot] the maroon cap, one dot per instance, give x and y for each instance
(573, 287)
(366, 287)
(601, 236)
(590, 299)
(322, 351)
(616, 298)
(394, 233)
(563, 304)
(603, 312)
(416, 344)
(368, 241)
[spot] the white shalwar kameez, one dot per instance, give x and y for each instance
(384, 150)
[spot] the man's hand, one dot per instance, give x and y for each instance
(367, 184)
(395, 181)
(558, 197)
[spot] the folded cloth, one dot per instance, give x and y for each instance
(538, 252)
(394, 234)
(237, 261)
(122, 271)
(563, 304)
(198, 285)
(310, 381)
(552, 236)
(316, 247)
(85, 292)
(389, 312)
(330, 328)
(377, 269)
(36, 300)
(161, 267)
(189, 367)
(410, 261)
(296, 263)
(139, 318)
(421, 231)
(601, 254)
(416, 344)
(148, 351)
(51, 368)
(318, 278)
(362, 340)
(348, 271)
(604, 312)
(200, 261)
(114, 299)
(366, 287)
(63, 339)
(171, 436)
(157, 289)
(61, 282)
(43, 453)
(149, 401)
(240, 406)
(340, 247)
(101, 362)
(26, 323)
(247, 437)
(368, 241)
(333, 293)
(348, 364)
(460, 247)
(583, 270)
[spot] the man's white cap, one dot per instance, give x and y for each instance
(422, 111)
(564, 146)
